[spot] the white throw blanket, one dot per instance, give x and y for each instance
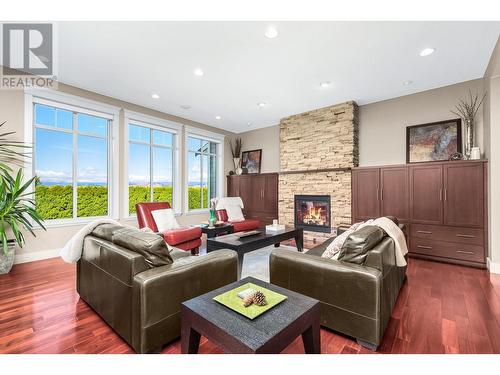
(386, 224)
(395, 232)
(72, 251)
(222, 203)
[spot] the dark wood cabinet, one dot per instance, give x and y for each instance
(394, 193)
(463, 194)
(259, 193)
(426, 185)
(380, 192)
(365, 194)
(443, 205)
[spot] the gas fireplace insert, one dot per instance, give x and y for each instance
(312, 213)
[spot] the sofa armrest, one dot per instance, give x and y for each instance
(343, 285)
(159, 292)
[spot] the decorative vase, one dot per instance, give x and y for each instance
(469, 137)
(7, 260)
(213, 219)
(237, 168)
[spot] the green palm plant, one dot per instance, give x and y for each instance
(17, 208)
(11, 152)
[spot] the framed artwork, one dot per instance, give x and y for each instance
(434, 141)
(251, 160)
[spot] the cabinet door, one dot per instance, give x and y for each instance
(394, 193)
(463, 194)
(233, 186)
(245, 190)
(426, 194)
(271, 194)
(365, 194)
(258, 193)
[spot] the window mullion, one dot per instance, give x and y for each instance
(201, 179)
(151, 192)
(75, 165)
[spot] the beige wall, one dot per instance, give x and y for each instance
(266, 139)
(492, 137)
(47, 243)
(382, 125)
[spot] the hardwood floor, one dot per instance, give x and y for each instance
(441, 309)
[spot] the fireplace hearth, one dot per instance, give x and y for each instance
(312, 213)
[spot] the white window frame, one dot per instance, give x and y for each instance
(155, 123)
(74, 103)
(212, 137)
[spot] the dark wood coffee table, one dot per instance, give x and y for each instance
(214, 231)
(270, 332)
(246, 244)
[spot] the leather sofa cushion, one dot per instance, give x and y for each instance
(177, 236)
(105, 231)
(357, 245)
(151, 246)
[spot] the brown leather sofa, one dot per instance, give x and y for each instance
(137, 285)
(357, 292)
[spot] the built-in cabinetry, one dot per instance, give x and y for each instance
(442, 203)
(259, 193)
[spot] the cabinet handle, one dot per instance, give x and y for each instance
(424, 231)
(465, 235)
(381, 194)
(424, 247)
(378, 196)
(445, 194)
(440, 194)
(465, 252)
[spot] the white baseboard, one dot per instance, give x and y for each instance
(36, 255)
(493, 267)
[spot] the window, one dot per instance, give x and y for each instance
(204, 168)
(151, 162)
(71, 161)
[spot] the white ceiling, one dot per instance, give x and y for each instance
(365, 61)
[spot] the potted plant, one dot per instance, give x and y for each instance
(467, 110)
(17, 208)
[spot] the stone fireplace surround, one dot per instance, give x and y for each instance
(317, 151)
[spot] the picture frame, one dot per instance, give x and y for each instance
(252, 161)
(434, 141)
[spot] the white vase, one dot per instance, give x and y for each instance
(237, 168)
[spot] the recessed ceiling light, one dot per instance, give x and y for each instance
(155, 96)
(271, 32)
(261, 104)
(427, 52)
(218, 117)
(185, 106)
(249, 123)
(406, 83)
(325, 84)
(198, 72)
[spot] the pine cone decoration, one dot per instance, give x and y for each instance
(248, 300)
(259, 298)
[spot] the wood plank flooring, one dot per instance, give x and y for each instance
(441, 309)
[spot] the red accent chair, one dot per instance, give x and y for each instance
(239, 226)
(185, 238)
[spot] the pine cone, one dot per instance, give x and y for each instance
(248, 300)
(259, 298)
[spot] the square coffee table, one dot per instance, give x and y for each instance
(258, 241)
(270, 332)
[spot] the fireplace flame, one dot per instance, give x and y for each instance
(313, 215)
